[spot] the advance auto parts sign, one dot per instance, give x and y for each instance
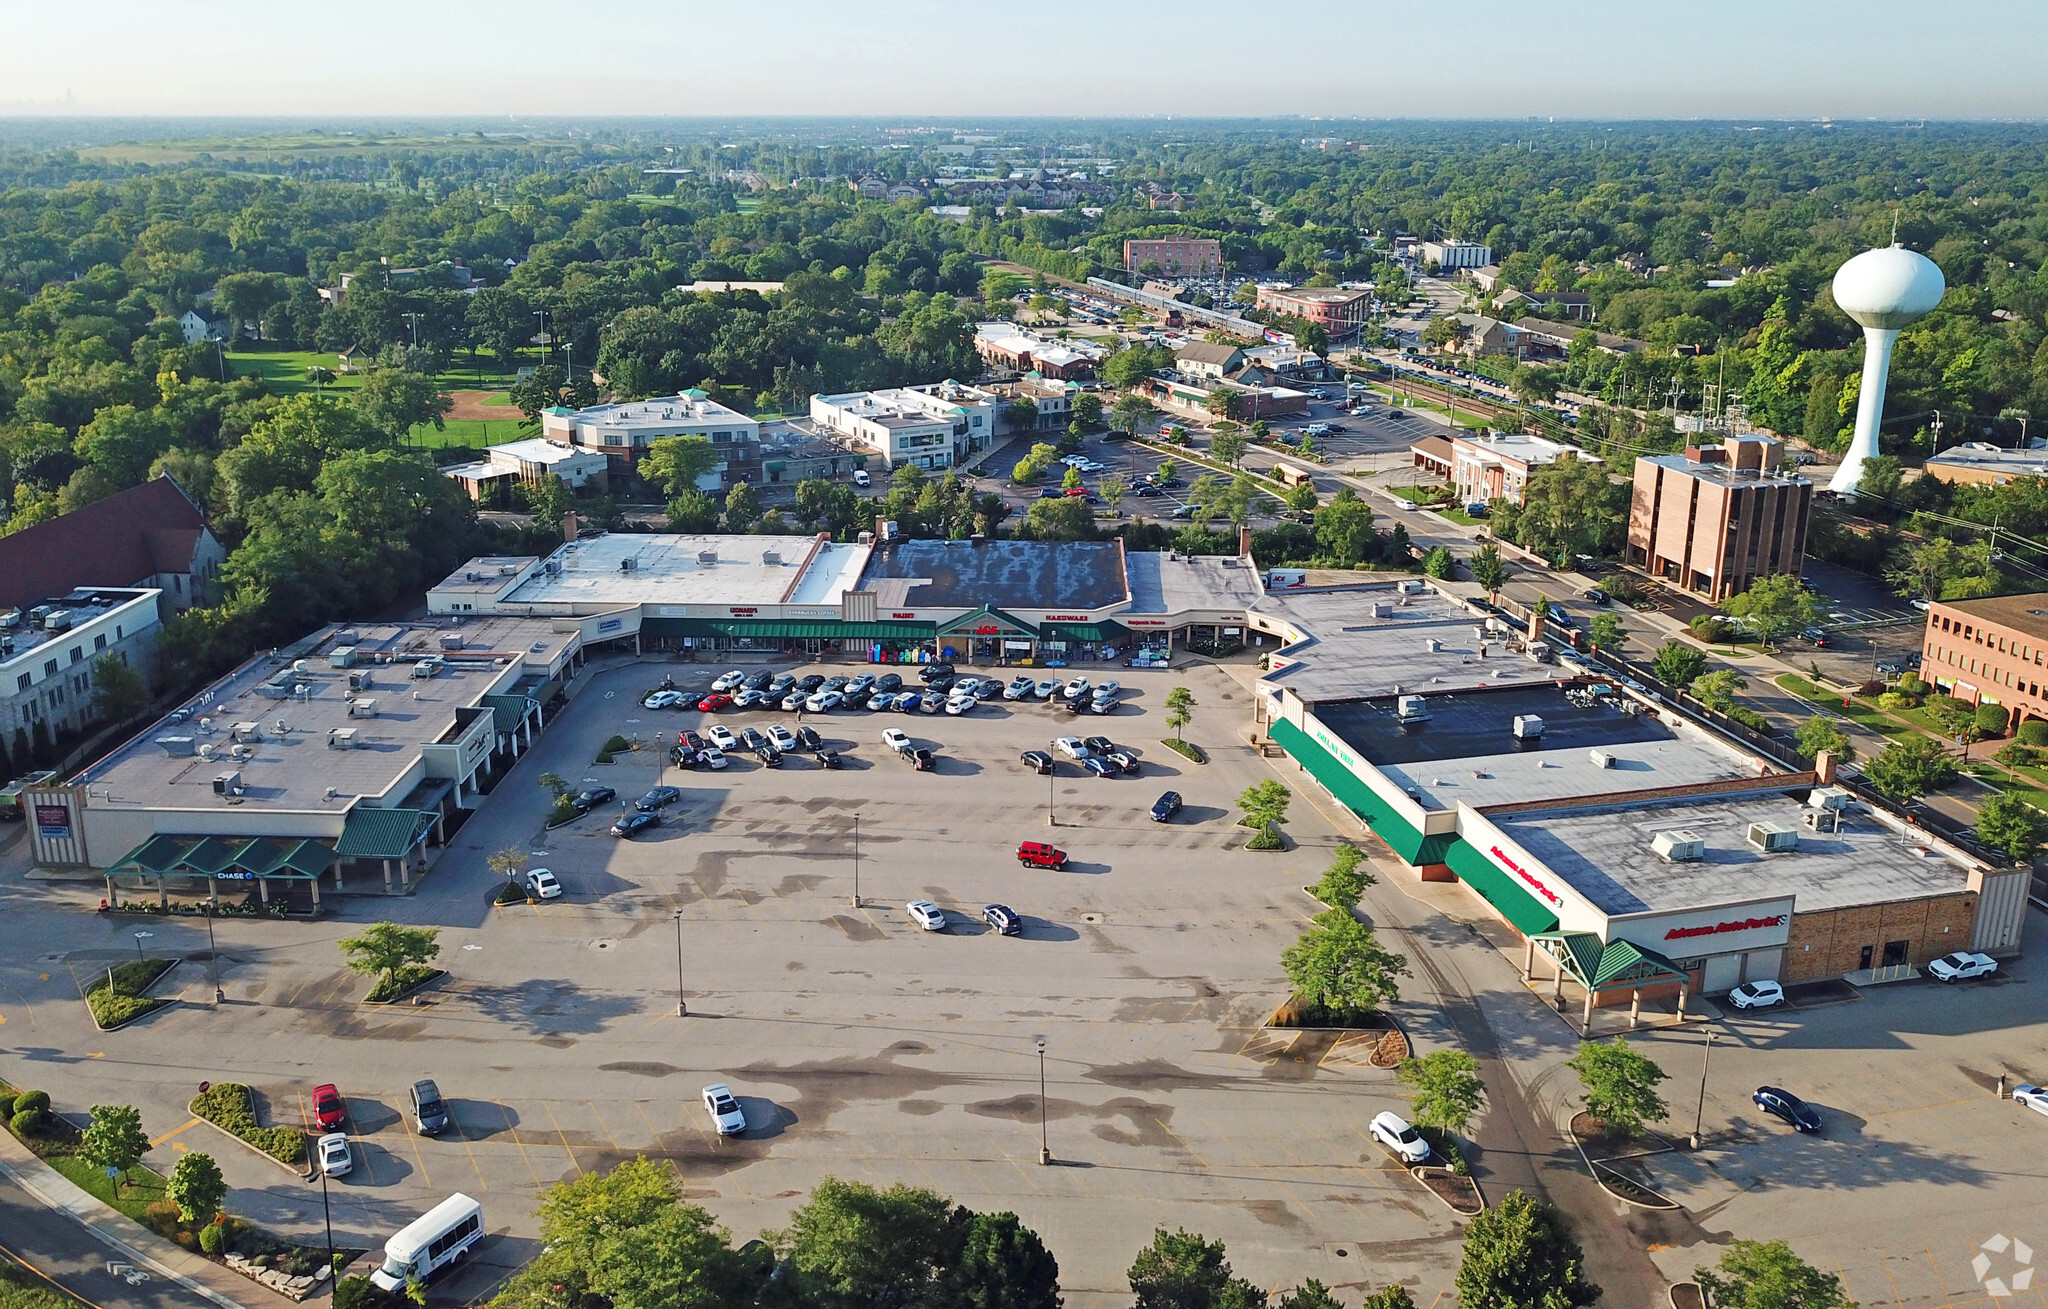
(1528, 878)
(1732, 925)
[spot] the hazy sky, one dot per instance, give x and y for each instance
(1474, 58)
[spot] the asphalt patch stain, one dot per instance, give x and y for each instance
(858, 929)
(1157, 1075)
(919, 1108)
(639, 1069)
(908, 1047)
(1273, 1213)
(554, 1042)
(796, 883)
(795, 966)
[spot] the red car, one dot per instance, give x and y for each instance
(328, 1110)
(715, 702)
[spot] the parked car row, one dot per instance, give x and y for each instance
(1002, 919)
(944, 690)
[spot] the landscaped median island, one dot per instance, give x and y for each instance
(121, 994)
(231, 1107)
(397, 957)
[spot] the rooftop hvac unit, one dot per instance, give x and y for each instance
(361, 681)
(176, 746)
(302, 691)
(626, 565)
(472, 576)
(12, 618)
(205, 752)
(426, 667)
(1528, 727)
(59, 620)
(507, 570)
(1432, 645)
(243, 752)
(363, 708)
(1479, 635)
(771, 557)
(1821, 820)
(1771, 838)
(300, 668)
(1412, 588)
(451, 640)
(1679, 846)
(342, 657)
(1411, 709)
(1828, 797)
(281, 727)
(348, 636)
(553, 567)
(247, 732)
(37, 615)
(1601, 758)
(228, 783)
(1381, 609)
(707, 556)
(341, 738)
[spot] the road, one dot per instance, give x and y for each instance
(51, 1244)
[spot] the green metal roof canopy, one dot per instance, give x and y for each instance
(988, 616)
(1608, 965)
(1106, 630)
(1400, 835)
(224, 857)
(372, 833)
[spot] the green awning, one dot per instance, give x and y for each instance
(988, 616)
(1528, 914)
(1399, 834)
(229, 857)
(1103, 631)
(372, 833)
(785, 629)
(508, 711)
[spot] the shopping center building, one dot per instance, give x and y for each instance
(1638, 854)
(881, 599)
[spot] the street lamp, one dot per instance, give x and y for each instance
(1699, 1114)
(1051, 775)
(683, 1010)
(1044, 1150)
(856, 861)
(326, 1212)
(213, 953)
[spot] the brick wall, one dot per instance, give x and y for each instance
(1829, 942)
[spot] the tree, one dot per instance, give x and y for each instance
(1180, 705)
(118, 691)
(548, 498)
(538, 390)
(1088, 409)
(1264, 803)
(385, 948)
(1181, 1270)
(1447, 1089)
(1620, 1085)
(1133, 364)
(1773, 606)
(500, 319)
(1345, 879)
(1168, 469)
(1072, 479)
(2006, 822)
(1906, 770)
(1817, 734)
(1067, 518)
(1768, 1275)
(1489, 572)
(1440, 563)
(1677, 664)
(1311, 1294)
(742, 507)
(1227, 448)
(678, 464)
(246, 298)
(196, 1187)
(1339, 965)
(122, 441)
(1940, 569)
(1716, 690)
(1519, 1255)
(1225, 402)
(1302, 498)
(1113, 489)
(1132, 411)
(855, 1245)
(508, 862)
(1391, 1297)
(693, 511)
(394, 401)
(1001, 1264)
(1344, 528)
(1608, 631)
(114, 1139)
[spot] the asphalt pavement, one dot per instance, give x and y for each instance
(53, 1245)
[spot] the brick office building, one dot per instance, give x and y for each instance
(1991, 651)
(1716, 518)
(1338, 312)
(1176, 256)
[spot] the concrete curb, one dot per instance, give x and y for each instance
(1593, 1170)
(54, 1191)
(252, 1146)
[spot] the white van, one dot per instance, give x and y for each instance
(431, 1242)
(861, 478)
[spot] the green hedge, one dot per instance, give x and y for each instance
(126, 1001)
(230, 1107)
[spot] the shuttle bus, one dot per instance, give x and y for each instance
(431, 1242)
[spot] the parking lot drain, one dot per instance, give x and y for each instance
(1091, 918)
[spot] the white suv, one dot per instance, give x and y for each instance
(1392, 1131)
(783, 738)
(896, 739)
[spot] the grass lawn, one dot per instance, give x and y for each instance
(475, 433)
(126, 1000)
(1460, 517)
(1420, 495)
(139, 1190)
(284, 371)
(1860, 712)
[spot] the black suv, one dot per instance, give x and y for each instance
(933, 672)
(809, 739)
(769, 756)
(759, 681)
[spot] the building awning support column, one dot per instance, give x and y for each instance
(1528, 944)
(1681, 1002)
(387, 875)
(316, 895)
(263, 890)
(1635, 1007)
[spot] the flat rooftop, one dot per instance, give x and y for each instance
(28, 639)
(1605, 855)
(1470, 724)
(1722, 474)
(2020, 613)
(293, 769)
(2006, 463)
(660, 411)
(1175, 583)
(834, 571)
(668, 568)
(1352, 654)
(484, 574)
(1004, 573)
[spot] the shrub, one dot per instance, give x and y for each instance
(1343, 881)
(211, 1238)
(228, 1106)
(2033, 732)
(509, 893)
(362, 1293)
(1267, 839)
(1751, 719)
(36, 1100)
(616, 744)
(1895, 701)
(6, 1105)
(1990, 719)
(603, 757)
(26, 1122)
(1713, 628)
(1911, 685)
(563, 811)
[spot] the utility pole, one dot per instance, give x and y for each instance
(1699, 1113)
(1051, 776)
(414, 319)
(856, 861)
(220, 996)
(542, 339)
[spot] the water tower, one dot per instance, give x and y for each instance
(1885, 290)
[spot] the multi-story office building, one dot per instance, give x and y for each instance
(622, 432)
(1337, 311)
(1175, 256)
(1990, 651)
(1447, 255)
(1716, 518)
(930, 426)
(1497, 465)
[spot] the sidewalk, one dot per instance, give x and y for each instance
(125, 1239)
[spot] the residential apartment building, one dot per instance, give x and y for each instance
(1175, 256)
(1991, 651)
(528, 461)
(1337, 311)
(1497, 465)
(1448, 255)
(1716, 518)
(931, 426)
(622, 432)
(47, 652)
(1207, 361)
(152, 536)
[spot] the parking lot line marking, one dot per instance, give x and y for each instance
(604, 1127)
(1316, 1168)
(173, 1132)
(419, 1158)
(565, 1138)
(1254, 1164)
(707, 898)
(517, 1144)
(1207, 1167)
(1939, 1280)
(1371, 1174)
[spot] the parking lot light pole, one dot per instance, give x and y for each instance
(1699, 1114)
(1051, 776)
(213, 952)
(1044, 1150)
(856, 861)
(683, 1008)
(327, 1212)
